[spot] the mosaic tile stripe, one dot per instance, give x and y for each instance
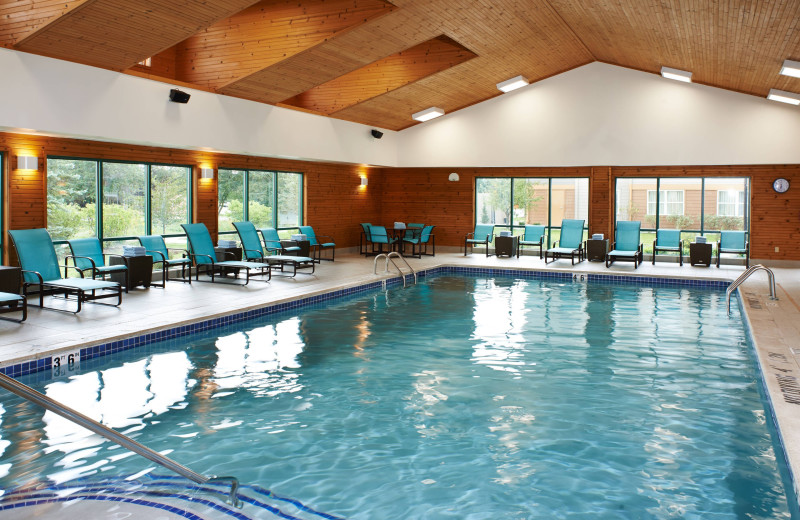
(44, 364)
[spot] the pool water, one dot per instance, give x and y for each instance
(458, 398)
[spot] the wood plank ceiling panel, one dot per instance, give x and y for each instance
(268, 32)
(383, 76)
(19, 18)
(117, 34)
(734, 44)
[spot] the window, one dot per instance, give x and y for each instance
(730, 203)
(265, 198)
(670, 202)
(136, 199)
(511, 203)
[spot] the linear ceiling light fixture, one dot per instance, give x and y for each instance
(676, 74)
(783, 96)
(791, 68)
(428, 114)
(513, 83)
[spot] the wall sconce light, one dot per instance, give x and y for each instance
(27, 162)
(453, 177)
(206, 173)
(363, 181)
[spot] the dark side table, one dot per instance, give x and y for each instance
(505, 246)
(304, 245)
(10, 279)
(700, 253)
(140, 270)
(596, 250)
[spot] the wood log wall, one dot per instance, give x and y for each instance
(335, 203)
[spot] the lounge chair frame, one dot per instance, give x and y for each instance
(486, 234)
(10, 302)
(629, 255)
(532, 243)
(207, 262)
(248, 235)
(734, 250)
(97, 271)
(678, 248)
(167, 262)
(318, 245)
(557, 252)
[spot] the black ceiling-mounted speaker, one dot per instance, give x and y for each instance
(179, 96)
(377, 134)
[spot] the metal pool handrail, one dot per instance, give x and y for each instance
(744, 276)
(26, 392)
(388, 258)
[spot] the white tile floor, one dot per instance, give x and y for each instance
(775, 324)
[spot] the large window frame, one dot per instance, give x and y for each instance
(274, 202)
(148, 196)
(519, 229)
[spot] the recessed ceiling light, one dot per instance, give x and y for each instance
(428, 114)
(783, 96)
(791, 68)
(676, 74)
(513, 84)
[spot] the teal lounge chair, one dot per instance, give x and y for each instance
(483, 234)
(668, 240)
(201, 251)
(380, 237)
(313, 241)
(364, 240)
(570, 243)
(252, 250)
(273, 244)
(734, 242)
(157, 249)
(87, 256)
(37, 257)
(628, 245)
(10, 302)
(419, 242)
(534, 237)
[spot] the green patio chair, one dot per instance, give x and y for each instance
(39, 263)
(533, 237)
(87, 256)
(273, 244)
(253, 251)
(570, 243)
(11, 302)
(668, 240)
(157, 249)
(380, 237)
(313, 241)
(483, 234)
(364, 239)
(734, 242)
(201, 251)
(419, 241)
(628, 244)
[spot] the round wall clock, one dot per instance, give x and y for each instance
(780, 185)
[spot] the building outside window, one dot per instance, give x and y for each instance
(670, 202)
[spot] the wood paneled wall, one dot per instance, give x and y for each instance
(335, 202)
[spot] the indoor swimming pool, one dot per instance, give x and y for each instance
(461, 397)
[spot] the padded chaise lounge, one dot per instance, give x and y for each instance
(252, 250)
(201, 251)
(37, 257)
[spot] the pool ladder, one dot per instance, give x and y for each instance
(26, 392)
(388, 258)
(744, 276)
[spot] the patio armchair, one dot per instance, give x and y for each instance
(157, 249)
(628, 244)
(252, 250)
(570, 243)
(273, 244)
(201, 251)
(734, 242)
(313, 241)
(364, 239)
(40, 268)
(533, 237)
(668, 240)
(88, 256)
(380, 237)
(483, 234)
(419, 241)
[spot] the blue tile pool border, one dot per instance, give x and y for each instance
(46, 363)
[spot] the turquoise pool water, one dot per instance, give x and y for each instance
(461, 397)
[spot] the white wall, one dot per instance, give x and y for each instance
(600, 114)
(70, 100)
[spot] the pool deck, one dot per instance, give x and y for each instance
(775, 325)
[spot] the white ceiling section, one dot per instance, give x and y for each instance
(595, 115)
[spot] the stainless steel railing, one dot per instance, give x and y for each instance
(388, 258)
(26, 392)
(744, 276)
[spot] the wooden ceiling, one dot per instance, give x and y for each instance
(378, 61)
